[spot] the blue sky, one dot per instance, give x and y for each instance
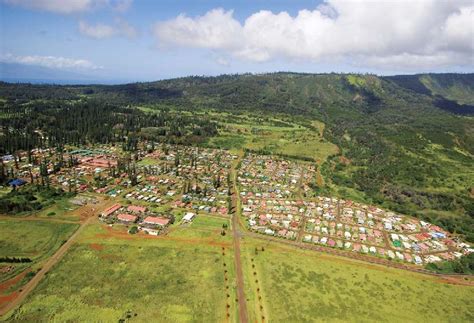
(137, 40)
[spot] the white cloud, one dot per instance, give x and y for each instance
(375, 32)
(100, 31)
(122, 5)
(222, 61)
(50, 61)
(96, 31)
(71, 6)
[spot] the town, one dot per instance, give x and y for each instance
(161, 185)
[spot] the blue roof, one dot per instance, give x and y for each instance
(16, 182)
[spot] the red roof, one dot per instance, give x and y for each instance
(99, 162)
(111, 210)
(136, 208)
(126, 217)
(156, 220)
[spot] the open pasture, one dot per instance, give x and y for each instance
(302, 286)
(108, 276)
(35, 240)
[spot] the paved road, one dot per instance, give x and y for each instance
(30, 286)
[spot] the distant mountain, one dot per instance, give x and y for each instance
(20, 73)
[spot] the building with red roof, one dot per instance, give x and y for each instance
(161, 221)
(136, 209)
(111, 210)
(127, 217)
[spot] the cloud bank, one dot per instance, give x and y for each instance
(100, 31)
(50, 62)
(408, 34)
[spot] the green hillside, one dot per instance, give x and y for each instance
(456, 87)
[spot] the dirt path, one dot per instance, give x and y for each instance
(243, 315)
(238, 269)
(30, 286)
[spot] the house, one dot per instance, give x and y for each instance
(161, 221)
(399, 255)
(152, 232)
(127, 218)
(188, 217)
(269, 231)
(16, 182)
(136, 209)
(110, 210)
(418, 260)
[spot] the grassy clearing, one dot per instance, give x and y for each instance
(36, 240)
(285, 138)
(203, 226)
(303, 286)
(60, 210)
(147, 161)
(106, 277)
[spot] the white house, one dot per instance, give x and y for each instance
(188, 217)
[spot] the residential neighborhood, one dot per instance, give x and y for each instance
(272, 193)
(155, 188)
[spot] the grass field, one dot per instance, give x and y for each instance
(275, 136)
(36, 240)
(303, 286)
(109, 275)
(61, 210)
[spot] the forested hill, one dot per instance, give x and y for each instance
(279, 92)
(456, 87)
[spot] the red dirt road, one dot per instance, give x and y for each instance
(238, 269)
(30, 286)
(243, 314)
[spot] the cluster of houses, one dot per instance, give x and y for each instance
(200, 177)
(274, 205)
(146, 220)
(266, 176)
(153, 194)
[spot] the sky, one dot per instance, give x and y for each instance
(144, 40)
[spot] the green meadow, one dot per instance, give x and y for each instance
(111, 276)
(36, 240)
(273, 136)
(304, 286)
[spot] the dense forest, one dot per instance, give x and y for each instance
(56, 123)
(405, 142)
